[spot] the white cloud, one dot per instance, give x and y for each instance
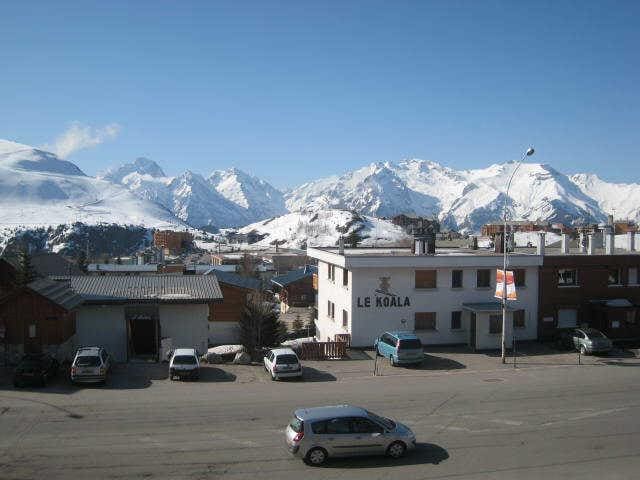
(78, 137)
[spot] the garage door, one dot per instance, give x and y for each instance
(567, 318)
(104, 327)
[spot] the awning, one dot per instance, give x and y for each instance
(484, 307)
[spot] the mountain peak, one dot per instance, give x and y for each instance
(24, 157)
(141, 165)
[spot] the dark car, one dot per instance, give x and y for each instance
(585, 340)
(35, 369)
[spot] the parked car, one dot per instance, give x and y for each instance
(282, 363)
(184, 363)
(315, 434)
(90, 365)
(35, 369)
(401, 348)
(585, 340)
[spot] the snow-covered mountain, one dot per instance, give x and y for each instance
(324, 228)
(463, 200)
(228, 198)
(620, 199)
(39, 189)
(259, 199)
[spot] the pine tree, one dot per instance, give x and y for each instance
(260, 326)
(81, 261)
(26, 272)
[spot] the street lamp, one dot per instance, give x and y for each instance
(527, 153)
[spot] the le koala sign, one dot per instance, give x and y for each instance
(383, 297)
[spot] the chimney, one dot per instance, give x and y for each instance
(498, 243)
(631, 241)
(610, 246)
(541, 243)
(474, 243)
(583, 242)
(591, 244)
(340, 245)
(565, 243)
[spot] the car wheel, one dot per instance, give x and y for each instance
(392, 362)
(16, 384)
(273, 377)
(583, 350)
(316, 456)
(396, 450)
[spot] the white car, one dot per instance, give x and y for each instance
(282, 363)
(184, 363)
(90, 365)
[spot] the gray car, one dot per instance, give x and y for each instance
(586, 341)
(315, 434)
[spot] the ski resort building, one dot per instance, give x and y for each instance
(446, 297)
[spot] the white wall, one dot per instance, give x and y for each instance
(105, 326)
(186, 325)
(340, 295)
(368, 322)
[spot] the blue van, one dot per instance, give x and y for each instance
(401, 348)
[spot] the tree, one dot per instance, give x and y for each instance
(353, 239)
(26, 272)
(297, 324)
(81, 261)
(247, 266)
(260, 326)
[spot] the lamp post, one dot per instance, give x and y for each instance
(527, 153)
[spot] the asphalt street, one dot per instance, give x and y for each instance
(530, 423)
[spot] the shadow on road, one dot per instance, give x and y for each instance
(310, 374)
(431, 362)
(424, 453)
(214, 374)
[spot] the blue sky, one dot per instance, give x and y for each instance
(291, 91)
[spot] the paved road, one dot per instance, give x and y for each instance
(531, 423)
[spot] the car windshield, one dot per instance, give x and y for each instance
(88, 361)
(286, 359)
(296, 424)
(184, 360)
(385, 422)
(410, 344)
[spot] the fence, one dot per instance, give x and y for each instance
(323, 350)
(343, 337)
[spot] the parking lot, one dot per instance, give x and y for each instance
(473, 416)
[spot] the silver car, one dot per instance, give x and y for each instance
(315, 434)
(90, 365)
(586, 341)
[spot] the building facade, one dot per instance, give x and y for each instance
(446, 298)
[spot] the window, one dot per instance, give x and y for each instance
(345, 318)
(331, 272)
(456, 320)
(456, 279)
(331, 309)
(615, 278)
(483, 278)
(364, 425)
(567, 277)
(633, 276)
(495, 323)
(425, 321)
(32, 331)
(426, 278)
(345, 277)
(567, 317)
(519, 276)
(338, 426)
(518, 319)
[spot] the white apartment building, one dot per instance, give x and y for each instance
(446, 297)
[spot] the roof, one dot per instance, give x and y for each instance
(47, 264)
(317, 413)
(59, 293)
(115, 267)
(283, 351)
(403, 335)
(118, 289)
(184, 351)
(88, 351)
(235, 280)
(295, 275)
(485, 307)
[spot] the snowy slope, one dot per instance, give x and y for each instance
(463, 200)
(323, 228)
(258, 198)
(39, 189)
(620, 199)
(141, 166)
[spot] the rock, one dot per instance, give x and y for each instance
(226, 349)
(242, 358)
(211, 357)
